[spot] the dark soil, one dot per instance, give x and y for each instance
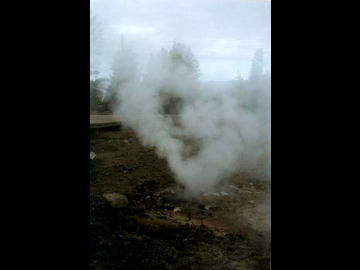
(160, 229)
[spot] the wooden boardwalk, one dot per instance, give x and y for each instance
(104, 121)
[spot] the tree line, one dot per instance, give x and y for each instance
(168, 65)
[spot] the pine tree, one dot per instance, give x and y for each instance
(95, 37)
(184, 61)
(125, 69)
(257, 67)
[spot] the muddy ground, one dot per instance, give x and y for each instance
(228, 228)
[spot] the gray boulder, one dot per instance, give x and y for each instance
(116, 200)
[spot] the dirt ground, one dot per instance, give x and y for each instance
(159, 229)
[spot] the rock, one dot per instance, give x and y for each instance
(116, 200)
(92, 155)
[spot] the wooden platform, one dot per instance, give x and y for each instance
(104, 121)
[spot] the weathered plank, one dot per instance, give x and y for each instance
(104, 121)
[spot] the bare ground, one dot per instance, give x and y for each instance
(159, 229)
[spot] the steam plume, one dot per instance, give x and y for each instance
(205, 133)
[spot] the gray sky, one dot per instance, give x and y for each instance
(223, 34)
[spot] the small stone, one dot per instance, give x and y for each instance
(116, 200)
(177, 209)
(92, 155)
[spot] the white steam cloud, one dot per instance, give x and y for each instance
(206, 132)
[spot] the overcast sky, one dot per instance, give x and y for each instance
(223, 34)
